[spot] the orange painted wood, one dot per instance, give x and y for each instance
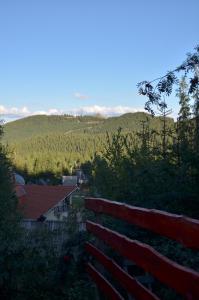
(103, 284)
(184, 280)
(128, 282)
(182, 229)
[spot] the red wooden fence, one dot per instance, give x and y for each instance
(182, 229)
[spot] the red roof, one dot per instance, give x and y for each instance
(38, 199)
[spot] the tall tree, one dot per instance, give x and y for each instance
(8, 201)
(184, 100)
(184, 126)
(163, 86)
(9, 221)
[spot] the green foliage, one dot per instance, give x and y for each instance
(43, 146)
(31, 267)
(9, 217)
(135, 170)
(163, 86)
(42, 125)
(160, 168)
(8, 201)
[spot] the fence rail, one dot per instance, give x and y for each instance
(182, 229)
(185, 230)
(105, 286)
(127, 281)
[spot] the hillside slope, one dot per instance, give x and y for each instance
(41, 144)
(45, 125)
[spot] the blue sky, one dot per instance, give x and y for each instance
(84, 56)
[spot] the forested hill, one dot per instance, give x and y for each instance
(41, 125)
(41, 144)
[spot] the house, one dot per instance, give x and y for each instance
(69, 180)
(44, 203)
(79, 178)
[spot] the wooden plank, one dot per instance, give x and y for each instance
(182, 229)
(128, 282)
(103, 284)
(184, 280)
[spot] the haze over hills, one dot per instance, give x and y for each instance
(55, 143)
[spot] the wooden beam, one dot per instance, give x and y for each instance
(184, 280)
(182, 229)
(131, 285)
(103, 284)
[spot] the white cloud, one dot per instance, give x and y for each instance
(80, 96)
(104, 110)
(51, 111)
(2, 109)
(13, 113)
(23, 111)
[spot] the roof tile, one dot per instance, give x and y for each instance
(40, 198)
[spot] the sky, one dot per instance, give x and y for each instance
(87, 56)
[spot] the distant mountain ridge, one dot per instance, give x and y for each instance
(54, 144)
(41, 125)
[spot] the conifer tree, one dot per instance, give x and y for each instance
(183, 123)
(8, 201)
(9, 221)
(196, 108)
(182, 93)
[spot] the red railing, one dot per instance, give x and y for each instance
(182, 229)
